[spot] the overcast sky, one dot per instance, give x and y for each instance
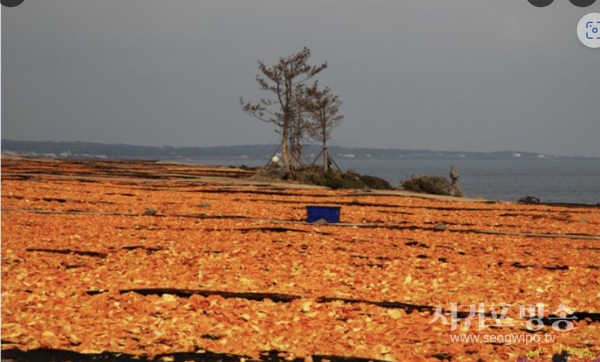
(470, 75)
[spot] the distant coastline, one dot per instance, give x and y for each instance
(89, 150)
(506, 175)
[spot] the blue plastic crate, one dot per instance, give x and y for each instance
(331, 214)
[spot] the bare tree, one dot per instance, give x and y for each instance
(323, 108)
(285, 80)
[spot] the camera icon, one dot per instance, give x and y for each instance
(591, 30)
(588, 30)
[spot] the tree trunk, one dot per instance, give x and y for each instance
(325, 158)
(285, 149)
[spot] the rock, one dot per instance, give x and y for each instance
(440, 227)
(436, 185)
(529, 200)
(150, 212)
(457, 191)
(454, 175)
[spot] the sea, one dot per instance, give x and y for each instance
(550, 179)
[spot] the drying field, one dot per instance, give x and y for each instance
(176, 263)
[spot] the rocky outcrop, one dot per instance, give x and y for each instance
(436, 185)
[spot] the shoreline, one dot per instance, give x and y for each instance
(276, 183)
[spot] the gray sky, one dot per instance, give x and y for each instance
(471, 75)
